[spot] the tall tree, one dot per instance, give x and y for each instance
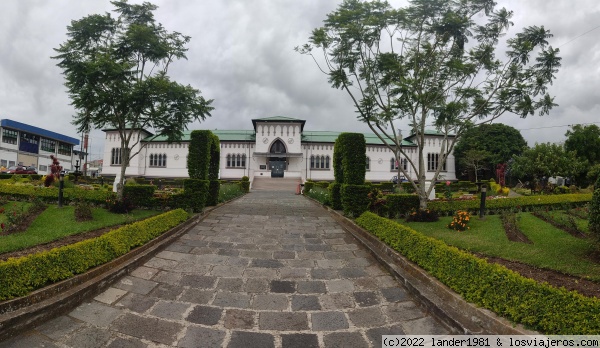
(585, 141)
(116, 76)
(546, 159)
(500, 141)
(432, 63)
(476, 160)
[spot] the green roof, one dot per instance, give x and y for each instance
(224, 135)
(330, 137)
(278, 119)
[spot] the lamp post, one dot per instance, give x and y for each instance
(61, 186)
(482, 204)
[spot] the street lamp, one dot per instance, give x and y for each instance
(61, 186)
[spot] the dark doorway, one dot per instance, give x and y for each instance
(277, 164)
(277, 167)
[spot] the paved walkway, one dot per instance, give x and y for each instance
(271, 269)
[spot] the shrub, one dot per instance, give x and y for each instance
(336, 195)
(355, 199)
(401, 204)
(377, 202)
(196, 192)
(308, 185)
(508, 294)
(387, 186)
(198, 160)
(19, 276)
(213, 192)
(354, 157)
(139, 195)
(407, 187)
(421, 215)
(594, 211)
(322, 184)
(83, 211)
(459, 221)
(320, 194)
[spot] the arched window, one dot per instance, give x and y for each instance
(312, 162)
(327, 162)
(152, 160)
(367, 164)
(164, 160)
(239, 161)
(244, 160)
(277, 147)
(393, 164)
(322, 162)
(229, 160)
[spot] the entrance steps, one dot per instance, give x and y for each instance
(275, 184)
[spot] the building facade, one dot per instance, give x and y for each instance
(275, 147)
(22, 144)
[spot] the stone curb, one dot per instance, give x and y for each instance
(461, 316)
(20, 314)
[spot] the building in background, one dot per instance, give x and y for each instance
(275, 147)
(23, 144)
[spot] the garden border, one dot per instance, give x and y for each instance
(448, 306)
(20, 314)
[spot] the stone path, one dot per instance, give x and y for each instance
(271, 269)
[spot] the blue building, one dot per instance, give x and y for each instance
(23, 144)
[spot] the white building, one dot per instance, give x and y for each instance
(275, 147)
(22, 144)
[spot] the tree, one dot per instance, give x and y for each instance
(432, 63)
(476, 160)
(116, 76)
(500, 141)
(585, 142)
(546, 160)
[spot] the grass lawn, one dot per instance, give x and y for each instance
(55, 223)
(552, 248)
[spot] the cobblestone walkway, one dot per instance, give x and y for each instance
(271, 269)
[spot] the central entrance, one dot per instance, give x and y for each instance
(277, 167)
(277, 163)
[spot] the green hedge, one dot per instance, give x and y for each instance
(196, 193)
(19, 276)
(139, 195)
(354, 158)
(198, 160)
(213, 192)
(308, 185)
(387, 186)
(355, 199)
(524, 203)
(508, 294)
(399, 204)
(336, 195)
(50, 194)
(322, 184)
(245, 184)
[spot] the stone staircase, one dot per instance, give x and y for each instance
(275, 184)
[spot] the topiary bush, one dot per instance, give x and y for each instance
(401, 204)
(594, 211)
(196, 193)
(336, 195)
(139, 195)
(308, 185)
(355, 199)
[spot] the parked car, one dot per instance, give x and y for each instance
(395, 179)
(21, 170)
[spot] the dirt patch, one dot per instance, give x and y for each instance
(554, 278)
(513, 232)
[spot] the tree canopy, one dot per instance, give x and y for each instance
(498, 140)
(116, 76)
(546, 160)
(585, 141)
(432, 64)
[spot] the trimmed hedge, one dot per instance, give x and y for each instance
(19, 276)
(387, 186)
(508, 294)
(214, 187)
(308, 185)
(139, 195)
(195, 192)
(322, 184)
(523, 203)
(198, 160)
(245, 184)
(50, 194)
(354, 157)
(355, 200)
(336, 195)
(401, 204)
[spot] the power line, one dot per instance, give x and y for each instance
(566, 125)
(577, 37)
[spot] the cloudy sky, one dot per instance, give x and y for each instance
(242, 56)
